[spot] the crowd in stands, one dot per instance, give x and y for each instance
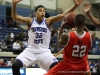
(5, 63)
(95, 67)
(14, 41)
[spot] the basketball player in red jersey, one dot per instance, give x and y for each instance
(76, 48)
(87, 8)
(88, 72)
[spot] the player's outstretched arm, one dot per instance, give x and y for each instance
(60, 52)
(60, 16)
(17, 17)
(87, 8)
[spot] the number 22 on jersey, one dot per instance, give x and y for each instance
(77, 52)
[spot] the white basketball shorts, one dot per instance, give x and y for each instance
(43, 60)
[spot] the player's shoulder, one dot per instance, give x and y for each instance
(65, 35)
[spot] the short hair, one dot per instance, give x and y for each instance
(39, 6)
(79, 19)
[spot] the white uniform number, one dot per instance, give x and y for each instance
(76, 52)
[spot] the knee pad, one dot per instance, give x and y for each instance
(17, 64)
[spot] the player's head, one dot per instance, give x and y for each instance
(79, 20)
(40, 11)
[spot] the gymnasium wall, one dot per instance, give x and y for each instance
(97, 34)
(50, 4)
(24, 2)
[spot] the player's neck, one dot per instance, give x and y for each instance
(80, 30)
(39, 20)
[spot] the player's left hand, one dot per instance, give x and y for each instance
(55, 55)
(87, 7)
(78, 2)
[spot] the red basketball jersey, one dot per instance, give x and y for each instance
(76, 50)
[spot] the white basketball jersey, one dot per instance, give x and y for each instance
(39, 35)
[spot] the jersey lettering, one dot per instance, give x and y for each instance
(39, 35)
(38, 38)
(77, 52)
(40, 29)
(38, 41)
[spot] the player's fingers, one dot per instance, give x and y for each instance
(85, 4)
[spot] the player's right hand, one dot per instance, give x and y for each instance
(16, 1)
(78, 2)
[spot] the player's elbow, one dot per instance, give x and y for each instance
(60, 17)
(13, 17)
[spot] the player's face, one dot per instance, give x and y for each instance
(40, 13)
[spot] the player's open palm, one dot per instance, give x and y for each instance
(16, 1)
(78, 2)
(87, 7)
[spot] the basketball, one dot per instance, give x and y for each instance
(70, 19)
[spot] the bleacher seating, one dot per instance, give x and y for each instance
(2, 12)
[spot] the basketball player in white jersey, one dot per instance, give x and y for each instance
(39, 34)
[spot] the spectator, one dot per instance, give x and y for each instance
(96, 41)
(98, 68)
(16, 45)
(10, 24)
(52, 47)
(2, 63)
(22, 45)
(25, 42)
(99, 46)
(3, 45)
(16, 24)
(9, 42)
(11, 62)
(16, 37)
(12, 35)
(8, 36)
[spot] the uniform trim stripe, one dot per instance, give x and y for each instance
(47, 25)
(68, 39)
(32, 22)
(38, 22)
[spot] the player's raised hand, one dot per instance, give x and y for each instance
(16, 1)
(78, 2)
(87, 7)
